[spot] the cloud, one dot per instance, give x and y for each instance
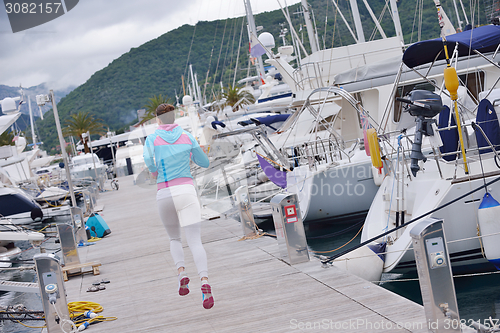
(69, 49)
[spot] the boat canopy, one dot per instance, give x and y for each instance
(482, 39)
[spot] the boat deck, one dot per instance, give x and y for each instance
(254, 290)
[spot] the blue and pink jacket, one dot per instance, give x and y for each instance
(167, 152)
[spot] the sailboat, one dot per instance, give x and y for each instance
(456, 177)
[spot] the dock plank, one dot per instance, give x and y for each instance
(254, 290)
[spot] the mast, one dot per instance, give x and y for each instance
(33, 135)
(309, 27)
(397, 22)
(357, 21)
(252, 31)
(458, 16)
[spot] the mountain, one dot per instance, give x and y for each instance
(24, 121)
(114, 93)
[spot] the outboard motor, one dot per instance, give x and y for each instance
(424, 105)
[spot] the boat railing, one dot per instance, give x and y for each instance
(308, 76)
(472, 151)
(319, 151)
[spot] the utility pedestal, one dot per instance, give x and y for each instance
(52, 293)
(246, 213)
(78, 225)
(289, 228)
(435, 276)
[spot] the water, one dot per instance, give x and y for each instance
(478, 297)
(31, 301)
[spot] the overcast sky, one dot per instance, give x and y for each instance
(69, 49)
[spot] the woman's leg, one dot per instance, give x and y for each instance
(168, 216)
(193, 238)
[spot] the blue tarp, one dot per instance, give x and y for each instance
(483, 39)
(488, 120)
(449, 137)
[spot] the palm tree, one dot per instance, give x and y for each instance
(152, 105)
(83, 122)
(235, 97)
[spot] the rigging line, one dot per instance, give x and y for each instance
(232, 48)
(411, 221)
(238, 54)
(227, 49)
(210, 61)
(218, 59)
(414, 20)
(189, 53)
(334, 29)
(420, 17)
(326, 24)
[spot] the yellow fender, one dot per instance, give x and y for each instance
(374, 148)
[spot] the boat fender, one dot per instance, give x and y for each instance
(364, 262)
(371, 133)
(451, 82)
(36, 214)
(488, 212)
(378, 176)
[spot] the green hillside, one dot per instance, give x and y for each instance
(114, 93)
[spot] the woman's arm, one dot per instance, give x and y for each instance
(197, 154)
(149, 155)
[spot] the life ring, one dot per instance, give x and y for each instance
(374, 148)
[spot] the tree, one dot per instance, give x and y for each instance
(7, 139)
(235, 97)
(83, 122)
(152, 105)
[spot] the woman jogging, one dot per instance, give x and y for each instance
(167, 153)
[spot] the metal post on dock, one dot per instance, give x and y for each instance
(89, 205)
(435, 277)
(289, 228)
(53, 293)
(246, 213)
(68, 246)
(40, 101)
(78, 225)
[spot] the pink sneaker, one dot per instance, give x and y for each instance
(183, 286)
(208, 300)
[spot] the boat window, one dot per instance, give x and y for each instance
(403, 91)
(324, 124)
(474, 83)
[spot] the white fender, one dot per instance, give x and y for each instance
(378, 176)
(362, 262)
(489, 224)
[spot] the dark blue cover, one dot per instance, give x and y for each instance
(450, 136)
(487, 118)
(97, 227)
(483, 39)
(488, 201)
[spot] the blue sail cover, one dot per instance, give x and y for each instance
(487, 119)
(276, 176)
(449, 137)
(483, 39)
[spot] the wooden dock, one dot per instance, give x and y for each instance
(254, 290)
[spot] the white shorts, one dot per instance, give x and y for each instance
(180, 201)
